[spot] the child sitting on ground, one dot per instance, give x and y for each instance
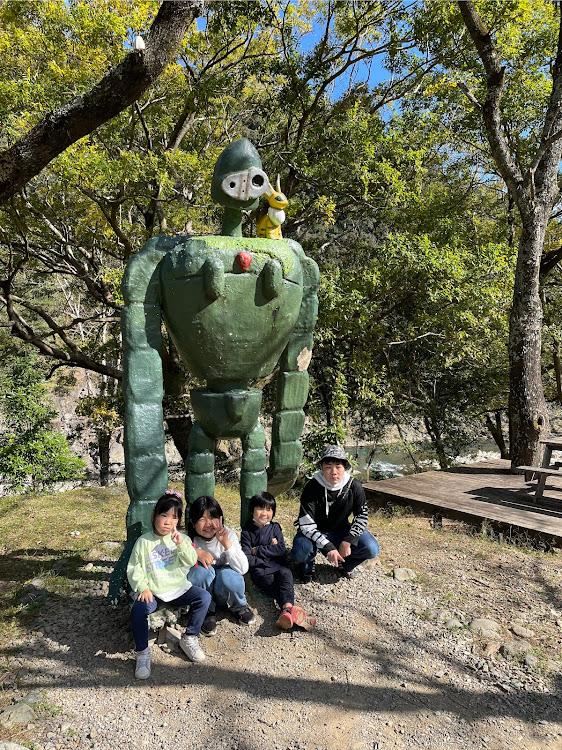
(263, 544)
(221, 563)
(157, 573)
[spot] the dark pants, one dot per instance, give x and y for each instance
(196, 599)
(278, 585)
(304, 551)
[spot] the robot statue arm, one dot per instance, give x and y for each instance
(146, 470)
(292, 386)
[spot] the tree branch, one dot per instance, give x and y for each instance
(468, 93)
(491, 110)
(24, 331)
(122, 86)
(549, 261)
(546, 162)
(416, 338)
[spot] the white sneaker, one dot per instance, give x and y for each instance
(142, 670)
(189, 644)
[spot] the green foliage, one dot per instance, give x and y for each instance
(320, 434)
(31, 450)
(316, 438)
(104, 411)
(398, 203)
(525, 34)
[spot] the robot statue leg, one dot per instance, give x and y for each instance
(253, 478)
(200, 465)
(227, 414)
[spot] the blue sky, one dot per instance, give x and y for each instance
(371, 73)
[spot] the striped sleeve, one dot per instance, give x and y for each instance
(360, 513)
(307, 517)
(308, 528)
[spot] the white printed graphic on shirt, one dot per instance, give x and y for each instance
(161, 557)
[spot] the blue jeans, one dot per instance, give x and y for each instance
(195, 598)
(304, 551)
(225, 585)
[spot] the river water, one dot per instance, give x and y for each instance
(396, 463)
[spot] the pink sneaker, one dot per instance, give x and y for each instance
(285, 620)
(302, 618)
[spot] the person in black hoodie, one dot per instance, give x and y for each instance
(263, 544)
(327, 502)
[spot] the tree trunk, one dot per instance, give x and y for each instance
(527, 405)
(495, 430)
(557, 368)
(534, 192)
(179, 428)
(104, 440)
(179, 425)
(436, 440)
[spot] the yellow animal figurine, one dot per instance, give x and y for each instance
(269, 225)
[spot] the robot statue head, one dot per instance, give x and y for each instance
(238, 179)
(235, 309)
(238, 182)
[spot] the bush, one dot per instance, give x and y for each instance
(32, 452)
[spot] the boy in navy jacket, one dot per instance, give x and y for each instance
(263, 544)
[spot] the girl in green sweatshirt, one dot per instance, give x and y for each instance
(157, 573)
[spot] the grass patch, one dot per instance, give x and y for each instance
(39, 525)
(35, 535)
(9, 502)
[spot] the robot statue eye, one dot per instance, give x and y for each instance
(246, 185)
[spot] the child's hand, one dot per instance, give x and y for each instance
(254, 550)
(205, 558)
(176, 537)
(334, 557)
(274, 541)
(345, 549)
(146, 596)
(222, 536)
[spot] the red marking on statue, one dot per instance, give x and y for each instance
(244, 260)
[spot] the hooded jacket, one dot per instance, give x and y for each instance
(324, 510)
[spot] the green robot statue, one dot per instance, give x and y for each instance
(234, 307)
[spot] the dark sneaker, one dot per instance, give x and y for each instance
(209, 626)
(307, 574)
(245, 616)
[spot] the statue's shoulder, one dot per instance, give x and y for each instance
(188, 255)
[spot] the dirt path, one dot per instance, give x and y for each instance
(390, 665)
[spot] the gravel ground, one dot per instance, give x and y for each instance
(390, 664)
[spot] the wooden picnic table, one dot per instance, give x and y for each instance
(550, 443)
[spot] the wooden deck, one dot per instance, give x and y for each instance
(474, 492)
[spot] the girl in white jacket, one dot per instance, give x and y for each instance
(221, 563)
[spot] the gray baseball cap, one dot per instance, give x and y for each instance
(334, 453)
